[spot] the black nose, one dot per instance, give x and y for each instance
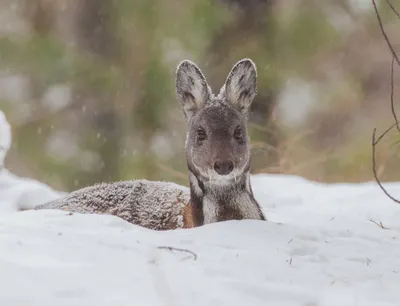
(223, 167)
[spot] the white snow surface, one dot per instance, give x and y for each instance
(20, 193)
(319, 248)
(324, 245)
(5, 137)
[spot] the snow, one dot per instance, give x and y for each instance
(20, 193)
(5, 137)
(319, 247)
(324, 245)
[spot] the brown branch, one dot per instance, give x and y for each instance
(393, 8)
(394, 55)
(179, 250)
(374, 140)
(384, 133)
(378, 16)
(392, 94)
(374, 143)
(379, 224)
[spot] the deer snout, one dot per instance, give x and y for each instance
(223, 167)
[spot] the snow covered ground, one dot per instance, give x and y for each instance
(321, 246)
(324, 245)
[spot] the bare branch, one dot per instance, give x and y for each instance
(374, 143)
(374, 140)
(179, 250)
(378, 16)
(393, 8)
(379, 224)
(392, 94)
(384, 133)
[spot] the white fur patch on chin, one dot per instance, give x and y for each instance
(222, 180)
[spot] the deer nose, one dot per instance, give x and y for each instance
(223, 167)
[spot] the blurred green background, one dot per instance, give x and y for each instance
(88, 85)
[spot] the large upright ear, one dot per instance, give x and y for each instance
(241, 85)
(192, 88)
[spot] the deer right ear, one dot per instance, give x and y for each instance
(191, 88)
(241, 85)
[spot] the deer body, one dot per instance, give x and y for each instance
(218, 160)
(154, 205)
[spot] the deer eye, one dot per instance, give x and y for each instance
(238, 134)
(201, 135)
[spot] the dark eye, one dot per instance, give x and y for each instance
(201, 135)
(238, 134)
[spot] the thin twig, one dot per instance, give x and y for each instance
(392, 93)
(379, 224)
(384, 133)
(384, 33)
(394, 55)
(374, 143)
(179, 250)
(393, 8)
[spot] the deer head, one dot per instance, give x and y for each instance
(217, 144)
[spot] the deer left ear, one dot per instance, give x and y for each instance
(241, 86)
(192, 88)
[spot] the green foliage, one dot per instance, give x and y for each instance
(129, 98)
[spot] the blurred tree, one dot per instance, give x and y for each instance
(96, 34)
(117, 116)
(251, 34)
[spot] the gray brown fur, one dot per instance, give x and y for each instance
(218, 165)
(154, 205)
(218, 145)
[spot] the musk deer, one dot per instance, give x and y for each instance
(218, 160)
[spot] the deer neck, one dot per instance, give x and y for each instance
(212, 202)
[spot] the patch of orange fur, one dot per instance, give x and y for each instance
(188, 220)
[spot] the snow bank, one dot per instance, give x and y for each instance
(5, 137)
(17, 193)
(323, 246)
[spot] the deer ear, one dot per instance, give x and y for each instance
(191, 88)
(241, 85)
